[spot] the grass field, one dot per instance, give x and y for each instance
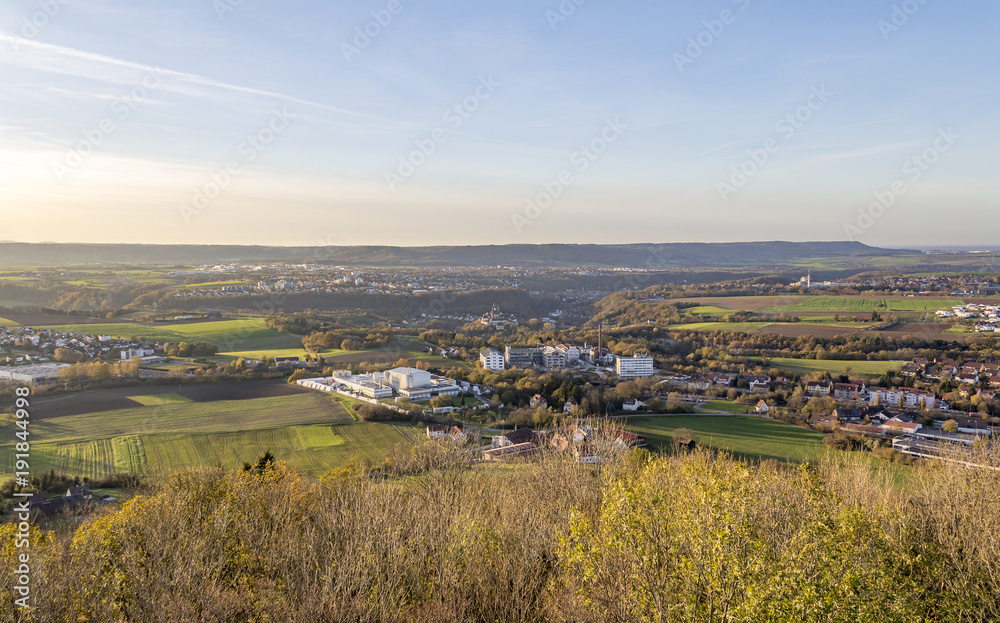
(806, 366)
(159, 399)
(242, 337)
(865, 305)
(738, 303)
(726, 406)
(312, 449)
(9, 324)
(708, 310)
(745, 437)
(249, 338)
(312, 431)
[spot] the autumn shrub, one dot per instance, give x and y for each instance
(431, 537)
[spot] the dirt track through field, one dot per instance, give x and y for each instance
(77, 403)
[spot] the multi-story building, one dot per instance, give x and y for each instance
(519, 357)
(491, 359)
(634, 367)
(571, 352)
(884, 396)
(553, 358)
(849, 391)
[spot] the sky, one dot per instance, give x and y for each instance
(430, 122)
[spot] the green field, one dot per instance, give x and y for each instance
(313, 432)
(312, 449)
(726, 406)
(242, 337)
(745, 437)
(865, 305)
(159, 399)
(806, 366)
(708, 310)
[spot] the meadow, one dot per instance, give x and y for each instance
(311, 431)
(807, 366)
(726, 406)
(865, 305)
(241, 337)
(745, 437)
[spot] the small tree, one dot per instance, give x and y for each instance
(441, 401)
(950, 426)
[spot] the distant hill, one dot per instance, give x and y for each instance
(626, 255)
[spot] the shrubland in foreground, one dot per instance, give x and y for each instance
(691, 537)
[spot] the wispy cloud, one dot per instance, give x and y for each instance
(80, 63)
(715, 149)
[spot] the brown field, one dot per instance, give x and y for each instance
(41, 320)
(741, 303)
(921, 330)
(799, 330)
(79, 403)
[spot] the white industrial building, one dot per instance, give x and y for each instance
(634, 367)
(419, 385)
(492, 360)
(32, 373)
(368, 385)
(413, 383)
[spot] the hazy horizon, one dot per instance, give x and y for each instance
(572, 121)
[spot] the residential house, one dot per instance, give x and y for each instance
(849, 391)
(762, 408)
(513, 438)
(538, 401)
(699, 382)
(632, 404)
(722, 379)
(967, 378)
(819, 388)
(878, 413)
(847, 416)
(442, 431)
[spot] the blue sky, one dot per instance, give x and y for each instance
(539, 122)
